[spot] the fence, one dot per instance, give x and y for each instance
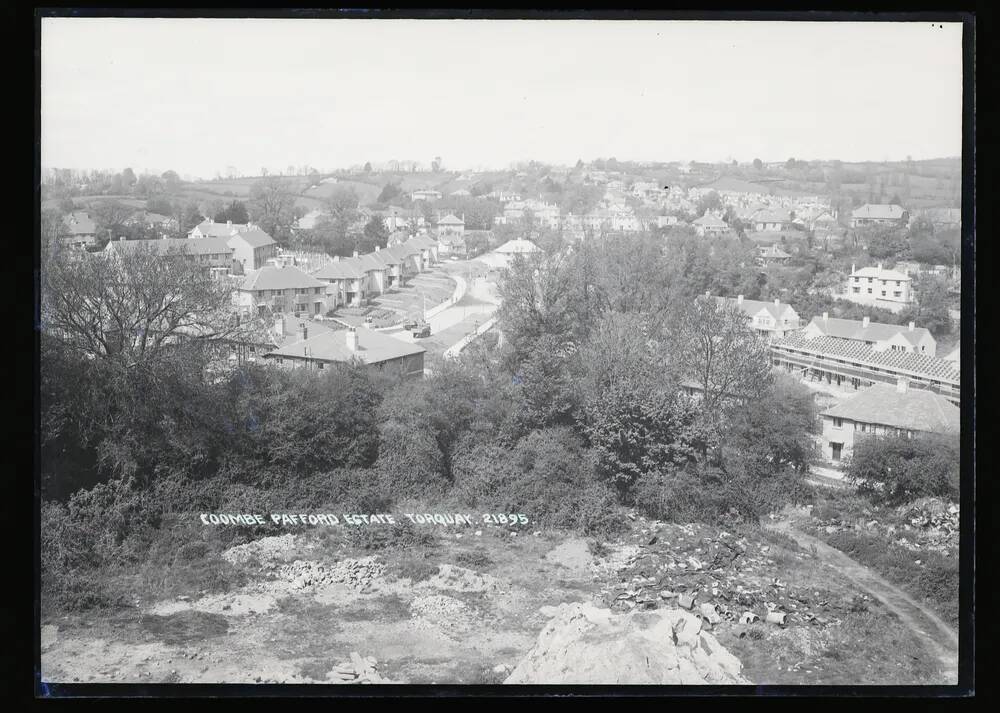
(454, 350)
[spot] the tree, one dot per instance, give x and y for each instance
(790, 164)
(190, 216)
(271, 206)
(368, 167)
(161, 205)
(128, 178)
(436, 164)
(375, 235)
(390, 191)
(758, 164)
(932, 306)
(709, 201)
(235, 212)
(898, 469)
(579, 163)
(718, 349)
(110, 217)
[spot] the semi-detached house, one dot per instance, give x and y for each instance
(282, 289)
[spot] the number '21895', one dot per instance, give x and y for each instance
(500, 518)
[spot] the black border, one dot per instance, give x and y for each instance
(968, 552)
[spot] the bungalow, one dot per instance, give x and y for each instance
(880, 337)
(771, 319)
(878, 214)
(319, 351)
(709, 224)
(772, 254)
(771, 220)
(504, 255)
(425, 195)
(883, 410)
(79, 230)
(282, 289)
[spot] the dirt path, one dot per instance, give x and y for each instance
(940, 638)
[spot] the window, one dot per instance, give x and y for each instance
(896, 293)
(869, 280)
(321, 365)
(897, 283)
(869, 290)
(856, 290)
(883, 293)
(838, 423)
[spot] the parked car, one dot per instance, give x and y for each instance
(369, 319)
(424, 331)
(411, 325)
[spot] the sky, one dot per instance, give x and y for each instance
(200, 95)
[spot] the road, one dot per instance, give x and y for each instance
(940, 638)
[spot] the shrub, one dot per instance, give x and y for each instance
(896, 469)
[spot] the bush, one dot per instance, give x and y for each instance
(897, 469)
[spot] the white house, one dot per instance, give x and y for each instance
(889, 289)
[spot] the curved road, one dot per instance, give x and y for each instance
(939, 637)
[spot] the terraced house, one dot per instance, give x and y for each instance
(880, 337)
(212, 254)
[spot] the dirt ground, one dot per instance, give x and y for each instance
(467, 608)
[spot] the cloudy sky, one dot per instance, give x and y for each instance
(199, 95)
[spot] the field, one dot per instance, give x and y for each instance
(463, 604)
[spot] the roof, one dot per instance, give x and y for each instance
(772, 216)
(891, 360)
(422, 242)
(752, 307)
(373, 347)
(279, 278)
(878, 211)
(518, 245)
(385, 257)
(256, 237)
(709, 220)
(343, 269)
(80, 223)
(874, 332)
(403, 250)
(912, 409)
(204, 246)
(880, 273)
(451, 220)
(212, 229)
(954, 355)
(290, 325)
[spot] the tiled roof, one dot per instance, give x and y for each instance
(874, 332)
(212, 229)
(256, 237)
(373, 347)
(913, 409)
(753, 307)
(204, 246)
(402, 251)
(421, 242)
(878, 211)
(451, 220)
(279, 278)
(385, 257)
(880, 274)
(919, 365)
(518, 245)
(343, 269)
(710, 221)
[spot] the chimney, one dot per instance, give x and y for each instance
(302, 331)
(901, 385)
(120, 238)
(336, 258)
(853, 270)
(739, 299)
(279, 325)
(708, 293)
(777, 302)
(826, 316)
(229, 224)
(913, 325)
(865, 322)
(355, 253)
(879, 269)
(352, 339)
(376, 248)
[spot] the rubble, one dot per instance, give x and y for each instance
(266, 549)
(357, 670)
(461, 579)
(647, 647)
(356, 573)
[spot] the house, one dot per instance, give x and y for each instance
(771, 319)
(772, 254)
(348, 282)
(851, 364)
(666, 221)
(410, 258)
(889, 289)
(393, 266)
(212, 254)
(425, 195)
(450, 225)
(709, 224)
(377, 350)
(211, 229)
(878, 214)
(281, 289)
(396, 218)
(428, 250)
(163, 224)
(773, 220)
(886, 410)
(504, 255)
(79, 230)
(880, 337)
(452, 245)
(252, 248)
(954, 356)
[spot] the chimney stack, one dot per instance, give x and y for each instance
(879, 269)
(303, 331)
(120, 238)
(376, 248)
(901, 385)
(826, 316)
(355, 253)
(913, 325)
(865, 322)
(352, 339)
(279, 326)
(853, 270)
(739, 299)
(777, 302)
(336, 258)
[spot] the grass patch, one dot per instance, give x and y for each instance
(934, 581)
(182, 627)
(474, 559)
(415, 569)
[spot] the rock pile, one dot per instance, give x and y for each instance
(356, 573)
(265, 549)
(439, 610)
(926, 524)
(357, 670)
(583, 644)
